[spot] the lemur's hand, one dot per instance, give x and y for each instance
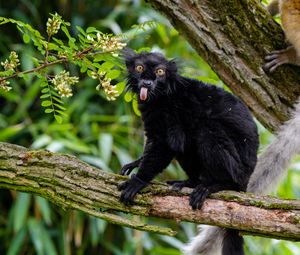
(130, 188)
(127, 169)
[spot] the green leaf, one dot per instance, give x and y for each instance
(113, 74)
(49, 247)
(10, 131)
(128, 97)
(135, 108)
(52, 46)
(57, 99)
(72, 43)
(58, 118)
(91, 30)
(95, 161)
(120, 86)
(43, 84)
(45, 90)
(26, 38)
(49, 110)
(35, 231)
(66, 31)
(89, 73)
(97, 65)
(21, 210)
(61, 113)
(60, 42)
(46, 103)
(44, 96)
(54, 93)
(105, 142)
(17, 242)
(60, 107)
(122, 155)
(83, 68)
(45, 209)
(81, 30)
(107, 65)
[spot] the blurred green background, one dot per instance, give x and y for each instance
(104, 134)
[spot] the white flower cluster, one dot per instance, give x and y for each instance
(109, 89)
(107, 43)
(4, 85)
(9, 64)
(12, 62)
(62, 83)
(53, 24)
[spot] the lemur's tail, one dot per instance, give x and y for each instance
(215, 241)
(271, 166)
(207, 242)
(273, 162)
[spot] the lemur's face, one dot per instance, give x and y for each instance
(149, 74)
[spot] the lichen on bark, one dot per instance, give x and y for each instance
(73, 184)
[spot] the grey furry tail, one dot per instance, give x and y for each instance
(207, 242)
(273, 162)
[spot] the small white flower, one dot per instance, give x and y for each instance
(4, 85)
(90, 38)
(62, 83)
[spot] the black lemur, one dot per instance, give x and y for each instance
(209, 131)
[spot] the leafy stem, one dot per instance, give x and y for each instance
(36, 69)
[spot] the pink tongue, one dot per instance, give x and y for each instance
(143, 93)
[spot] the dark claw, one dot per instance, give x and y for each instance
(127, 196)
(130, 188)
(197, 197)
(278, 58)
(270, 66)
(271, 56)
(127, 169)
(123, 185)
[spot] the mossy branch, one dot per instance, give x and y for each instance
(73, 184)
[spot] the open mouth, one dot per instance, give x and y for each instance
(143, 93)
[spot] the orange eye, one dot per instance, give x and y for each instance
(160, 71)
(139, 68)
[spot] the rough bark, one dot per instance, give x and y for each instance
(72, 184)
(234, 36)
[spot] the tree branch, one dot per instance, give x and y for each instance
(234, 37)
(73, 184)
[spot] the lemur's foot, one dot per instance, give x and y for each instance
(130, 188)
(197, 197)
(201, 192)
(280, 57)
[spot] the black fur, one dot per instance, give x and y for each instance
(208, 130)
(232, 243)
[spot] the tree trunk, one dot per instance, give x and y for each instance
(72, 184)
(234, 36)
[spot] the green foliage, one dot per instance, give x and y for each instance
(86, 52)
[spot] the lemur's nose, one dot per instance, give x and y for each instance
(147, 83)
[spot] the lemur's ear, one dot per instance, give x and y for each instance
(172, 66)
(128, 54)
